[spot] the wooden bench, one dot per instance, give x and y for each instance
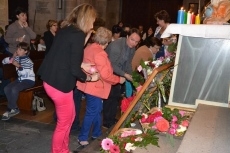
(35, 55)
(25, 97)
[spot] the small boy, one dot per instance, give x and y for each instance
(26, 78)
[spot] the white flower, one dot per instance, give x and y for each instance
(138, 139)
(132, 124)
(181, 129)
(149, 71)
(157, 63)
(129, 147)
(146, 62)
(167, 60)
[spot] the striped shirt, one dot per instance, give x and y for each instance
(25, 71)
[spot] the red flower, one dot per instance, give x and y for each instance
(114, 149)
(151, 118)
(185, 123)
(125, 103)
(162, 125)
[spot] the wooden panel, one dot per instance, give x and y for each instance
(137, 12)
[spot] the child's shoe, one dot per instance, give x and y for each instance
(6, 116)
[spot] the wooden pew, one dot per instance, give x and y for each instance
(34, 55)
(25, 97)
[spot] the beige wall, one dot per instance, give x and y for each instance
(4, 13)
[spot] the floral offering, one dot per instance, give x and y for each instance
(126, 140)
(173, 122)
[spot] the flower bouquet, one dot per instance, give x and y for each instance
(126, 140)
(173, 122)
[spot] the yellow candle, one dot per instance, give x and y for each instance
(197, 20)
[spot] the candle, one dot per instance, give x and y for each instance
(185, 17)
(188, 18)
(180, 16)
(159, 99)
(193, 18)
(197, 20)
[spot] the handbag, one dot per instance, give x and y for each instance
(38, 104)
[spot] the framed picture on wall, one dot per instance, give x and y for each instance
(193, 8)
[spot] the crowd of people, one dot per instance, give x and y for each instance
(80, 61)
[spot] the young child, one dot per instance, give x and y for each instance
(26, 78)
(41, 45)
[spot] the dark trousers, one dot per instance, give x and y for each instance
(110, 105)
(77, 96)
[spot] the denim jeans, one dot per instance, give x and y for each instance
(12, 91)
(92, 118)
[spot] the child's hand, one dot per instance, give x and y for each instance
(15, 63)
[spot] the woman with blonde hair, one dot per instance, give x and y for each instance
(50, 33)
(61, 68)
(96, 91)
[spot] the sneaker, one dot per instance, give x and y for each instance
(6, 116)
(14, 112)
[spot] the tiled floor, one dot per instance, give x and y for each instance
(25, 133)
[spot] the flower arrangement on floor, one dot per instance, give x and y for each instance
(127, 139)
(174, 122)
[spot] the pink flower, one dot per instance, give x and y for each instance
(139, 88)
(127, 133)
(93, 70)
(114, 149)
(106, 143)
(174, 119)
(172, 131)
(161, 58)
(185, 123)
(174, 125)
(182, 113)
(139, 68)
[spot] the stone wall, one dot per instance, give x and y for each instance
(108, 12)
(40, 12)
(4, 13)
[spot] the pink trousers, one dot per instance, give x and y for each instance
(65, 110)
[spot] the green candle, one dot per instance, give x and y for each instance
(185, 17)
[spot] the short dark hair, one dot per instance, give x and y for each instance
(25, 46)
(116, 29)
(134, 30)
(20, 10)
(163, 15)
(153, 41)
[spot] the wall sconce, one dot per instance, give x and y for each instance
(59, 4)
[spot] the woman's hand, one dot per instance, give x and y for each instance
(95, 77)
(87, 67)
(128, 77)
(25, 24)
(122, 80)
